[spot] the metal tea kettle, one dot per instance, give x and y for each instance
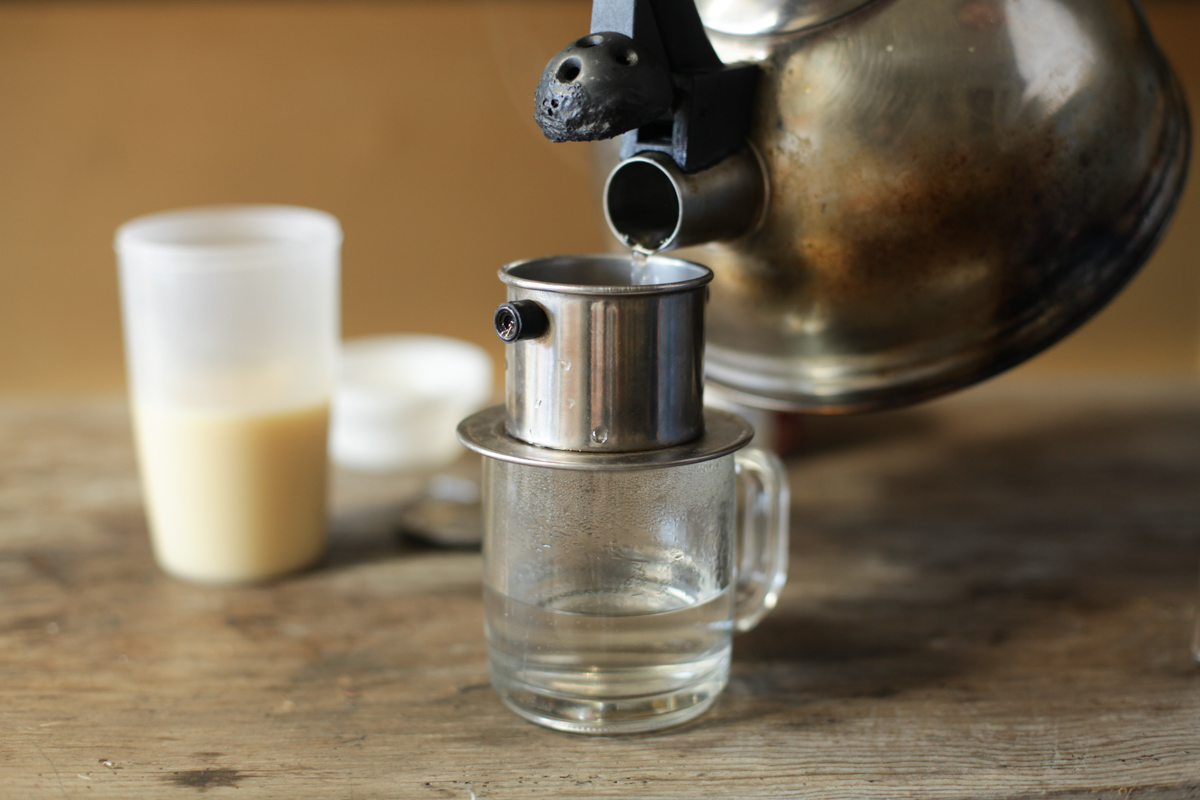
(898, 197)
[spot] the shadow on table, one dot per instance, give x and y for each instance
(951, 549)
(380, 516)
(380, 534)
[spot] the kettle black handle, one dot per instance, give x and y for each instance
(648, 71)
(680, 41)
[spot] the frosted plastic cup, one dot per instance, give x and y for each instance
(231, 335)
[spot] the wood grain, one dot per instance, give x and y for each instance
(991, 597)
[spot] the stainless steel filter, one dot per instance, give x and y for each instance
(605, 355)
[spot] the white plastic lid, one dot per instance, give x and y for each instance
(399, 399)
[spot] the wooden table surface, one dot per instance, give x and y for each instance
(991, 596)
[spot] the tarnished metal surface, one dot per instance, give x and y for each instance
(955, 185)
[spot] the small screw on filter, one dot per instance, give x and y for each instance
(520, 319)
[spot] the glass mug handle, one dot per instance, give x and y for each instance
(763, 531)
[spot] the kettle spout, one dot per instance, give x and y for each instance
(652, 205)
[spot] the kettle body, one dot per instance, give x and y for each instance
(948, 186)
(954, 185)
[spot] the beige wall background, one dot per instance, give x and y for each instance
(410, 120)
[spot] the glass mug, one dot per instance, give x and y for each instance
(611, 595)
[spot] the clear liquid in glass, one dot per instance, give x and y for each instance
(640, 658)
